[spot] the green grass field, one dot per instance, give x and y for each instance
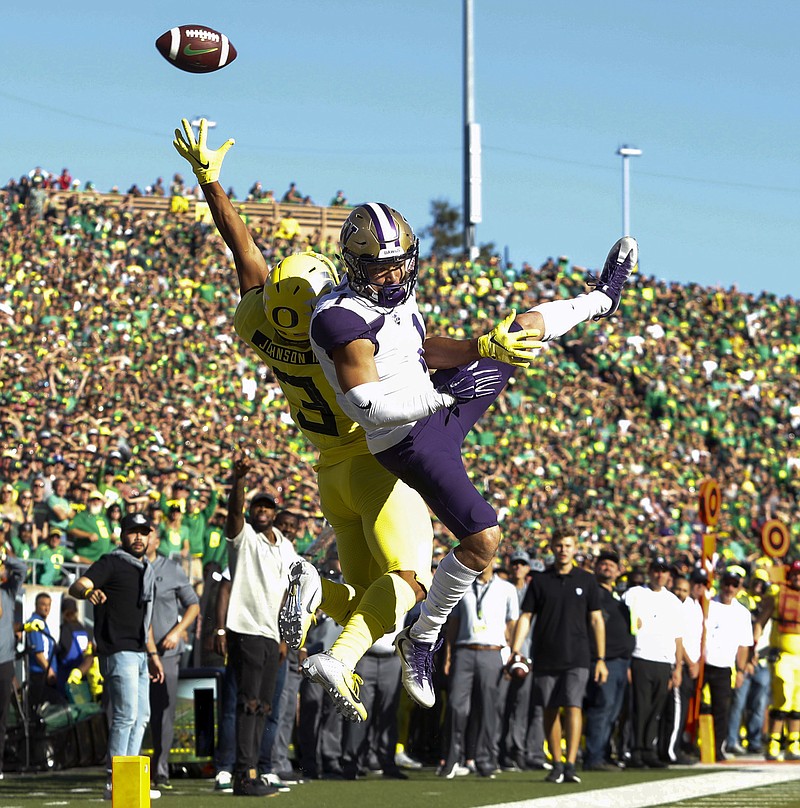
(79, 787)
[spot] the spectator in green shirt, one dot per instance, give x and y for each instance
(52, 555)
(24, 543)
(60, 511)
(90, 531)
(215, 548)
(195, 519)
(174, 535)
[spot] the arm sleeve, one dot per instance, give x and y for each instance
(98, 573)
(529, 600)
(378, 408)
(334, 327)
(593, 594)
(512, 606)
(35, 642)
(237, 540)
(185, 591)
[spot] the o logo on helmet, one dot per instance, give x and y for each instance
(284, 317)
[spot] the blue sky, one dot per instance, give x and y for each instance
(367, 97)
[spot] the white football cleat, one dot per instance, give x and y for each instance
(417, 660)
(340, 682)
(303, 598)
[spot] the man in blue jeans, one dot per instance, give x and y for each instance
(121, 587)
(604, 699)
(751, 698)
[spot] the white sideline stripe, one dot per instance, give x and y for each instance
(665, 792)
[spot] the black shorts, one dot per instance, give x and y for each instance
(562, 689)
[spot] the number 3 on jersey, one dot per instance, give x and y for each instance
(316, 414)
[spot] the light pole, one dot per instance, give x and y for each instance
(626, 152)
(472, 143)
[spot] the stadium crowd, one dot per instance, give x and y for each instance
(123, 389)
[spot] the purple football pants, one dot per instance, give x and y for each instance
(429, 458)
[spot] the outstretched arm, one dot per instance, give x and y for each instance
(206, 163)
(514, 347)
(235, 519)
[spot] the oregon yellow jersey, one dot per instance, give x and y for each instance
(311, 400)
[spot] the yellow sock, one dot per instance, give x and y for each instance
(340, 600)
(384, 603)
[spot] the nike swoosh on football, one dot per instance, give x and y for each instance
(190, 51)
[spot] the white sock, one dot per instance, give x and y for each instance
(561, 316)
(450, 581)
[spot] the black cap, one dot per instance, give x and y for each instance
(135, 523)
(659, 563)
(699, 576)
(264, 497)
(608, 555)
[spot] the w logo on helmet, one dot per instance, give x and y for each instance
(348, 229)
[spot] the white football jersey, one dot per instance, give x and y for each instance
(398, 334)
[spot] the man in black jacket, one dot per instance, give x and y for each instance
(121, 587)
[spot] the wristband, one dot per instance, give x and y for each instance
(152, 653)
(221, 632)
(601, 659)
(740, 670)
(88, 591)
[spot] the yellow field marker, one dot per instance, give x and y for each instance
(130, 781)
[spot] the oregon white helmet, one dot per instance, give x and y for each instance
(376, 235)
(292, 289)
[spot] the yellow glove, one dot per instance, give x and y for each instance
(75, 677)
(205, 162)
(516, 348)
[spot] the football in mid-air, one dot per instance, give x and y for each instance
(196, 48)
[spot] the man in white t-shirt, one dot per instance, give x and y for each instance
(657, 661)
(260, 561)
(729, 642)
